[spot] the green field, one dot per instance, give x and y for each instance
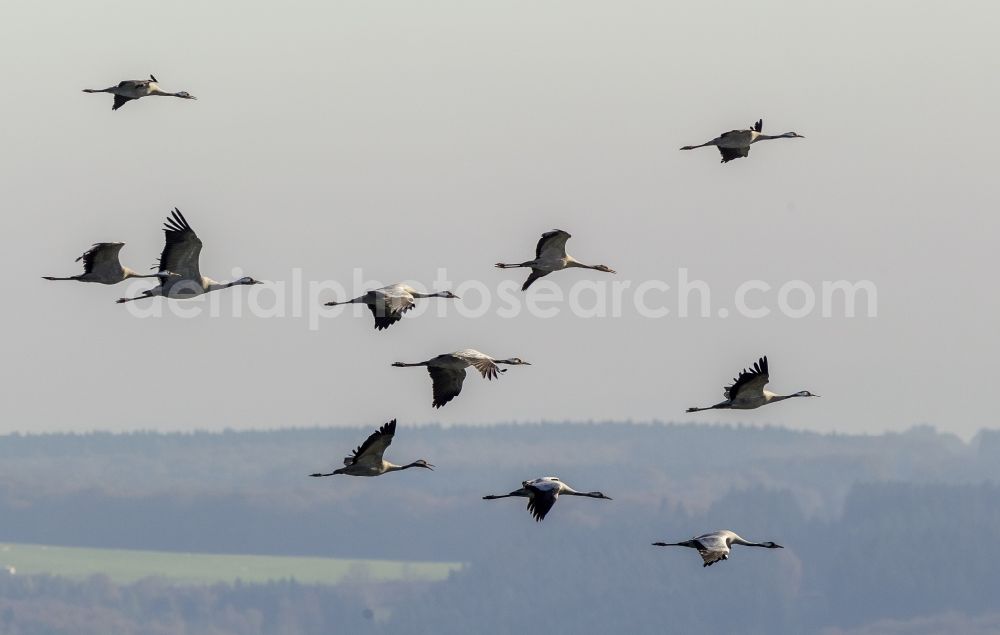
(124, 565)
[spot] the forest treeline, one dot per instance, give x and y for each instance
(887, 532)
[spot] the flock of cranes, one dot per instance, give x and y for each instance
(179, 277)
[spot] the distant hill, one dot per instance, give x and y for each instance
(881, 529)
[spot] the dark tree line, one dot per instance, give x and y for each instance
(889, 531)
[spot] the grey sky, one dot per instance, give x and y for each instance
(401, 137)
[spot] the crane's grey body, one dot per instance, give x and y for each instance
(389, 303)
(716, 546)
(736, 144)
(542, 494)
(101, 265)
(747, 390)
(367, 459)
(132, 89)
(550, 255)
(181, 251)
(447, 371)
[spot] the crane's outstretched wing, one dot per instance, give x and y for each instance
(370, 452)
(728, 154)
(712, 548)
(101, 256)
(535, 275)
(389, 308)
(486, 367)
(120, 101)
(750, 381)
(541, 500)
(182, 248)
(134, 83)
(710, 557)
(552, 244)
(447, 383)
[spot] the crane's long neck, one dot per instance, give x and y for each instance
(56, 278)
(439, 294)
(216, 286)
(100, 90)
(570, 262)
(392, 467)
(746, 543)
(768, 137)
(157, 92)
(408, 364)
(212, 285)
(568, 491)
(128, 273)
(771, 397)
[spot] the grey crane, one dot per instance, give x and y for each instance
(101, 265)
(747, 390)
(716, 546)
(367, 459)
(389, 303)
(132, 89)
(736, 143)
(550, 255)
(181, 251)
(542, 494)
(447, 371)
